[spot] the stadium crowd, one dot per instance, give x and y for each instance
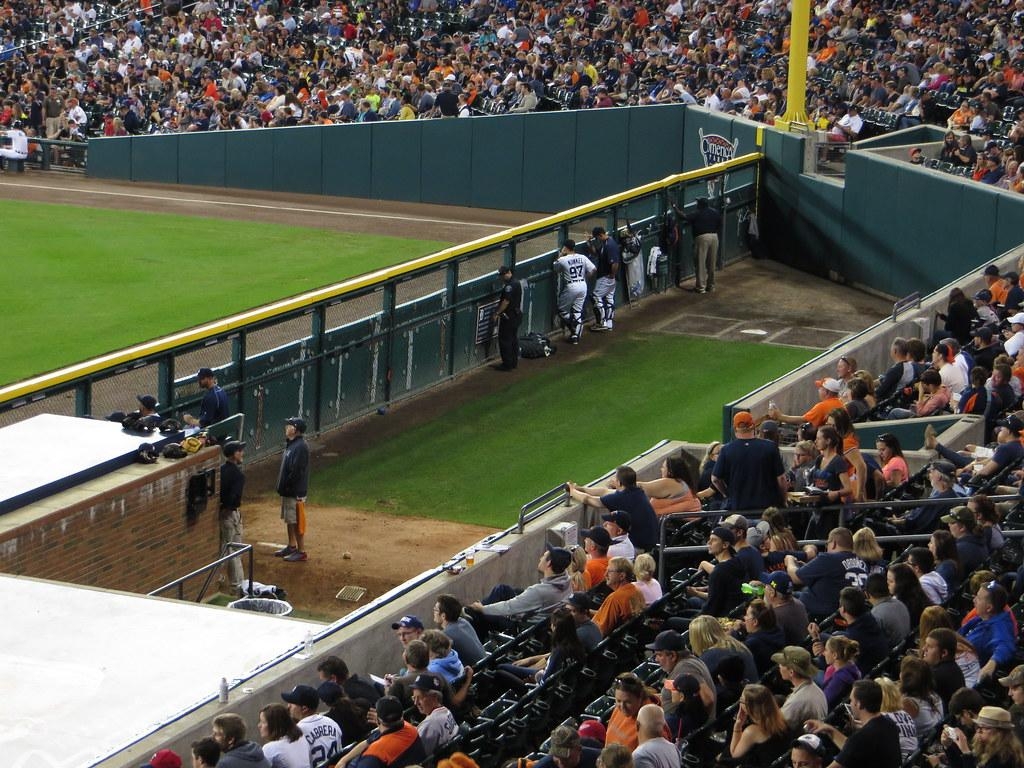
(80, 68)
(841, 652)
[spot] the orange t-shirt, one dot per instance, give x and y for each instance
(596, 566)
(820, 411)
(622, 728)
(619, 607)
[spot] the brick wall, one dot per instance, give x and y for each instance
(126, 531)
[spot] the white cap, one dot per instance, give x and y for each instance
(835, 386)
(1017, 319)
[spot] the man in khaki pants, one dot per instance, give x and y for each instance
(706, 222)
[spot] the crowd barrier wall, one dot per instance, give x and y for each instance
(541, 162)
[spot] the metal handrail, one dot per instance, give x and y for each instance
(209, 569)
(664, 520)
(548, 501)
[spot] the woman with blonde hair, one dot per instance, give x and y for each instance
(711, 643)
(644, 567)
(867, 548)
(577, 570)
(892, 708)
(842, 671)
(760, 733)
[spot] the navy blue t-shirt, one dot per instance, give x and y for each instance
(750, 468)
(643, 529)
(825, 576)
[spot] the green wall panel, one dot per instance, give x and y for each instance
(201, 158)
(1010, 227)
(977, 214)
(600, 136)
(249, 159)
(298, 156)
(110, 158)
(654, 145)
(395, 153)
(446, 166)
(929, 234)
(872, 219)
(549, 147)
(346, 160)
(497, 172)
(155, 158)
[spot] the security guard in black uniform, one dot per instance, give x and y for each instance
(510, 314)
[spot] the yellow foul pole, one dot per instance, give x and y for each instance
(796, 90)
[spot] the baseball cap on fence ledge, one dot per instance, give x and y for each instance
(725, 534)
(389, 710)
(559, 557)
(669, 640)
(743, 420)
(164, 758)
(779, 581)
(298, 422)
(620, 517)
(303, 695)
(598, 535)
(329, 692)
(1015, 678)
(408, 622)
(832, 385)
(564, 740)
(205, 373)
(231, 447)
(148, 401)
(962, 515)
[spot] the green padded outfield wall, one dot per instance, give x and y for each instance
(544, 162)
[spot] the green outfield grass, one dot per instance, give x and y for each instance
(84, 281)
(481, 462)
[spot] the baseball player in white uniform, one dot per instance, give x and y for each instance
(573, 269)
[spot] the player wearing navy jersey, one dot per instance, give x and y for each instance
(573, 269)
(606, 255)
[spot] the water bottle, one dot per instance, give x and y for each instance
(222, 696)
(307, 644)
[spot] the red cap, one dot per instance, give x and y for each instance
(165, 758)
(743, 420)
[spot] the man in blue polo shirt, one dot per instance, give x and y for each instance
(825, 576)
(623, 494)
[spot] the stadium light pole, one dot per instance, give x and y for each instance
(796, 88)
